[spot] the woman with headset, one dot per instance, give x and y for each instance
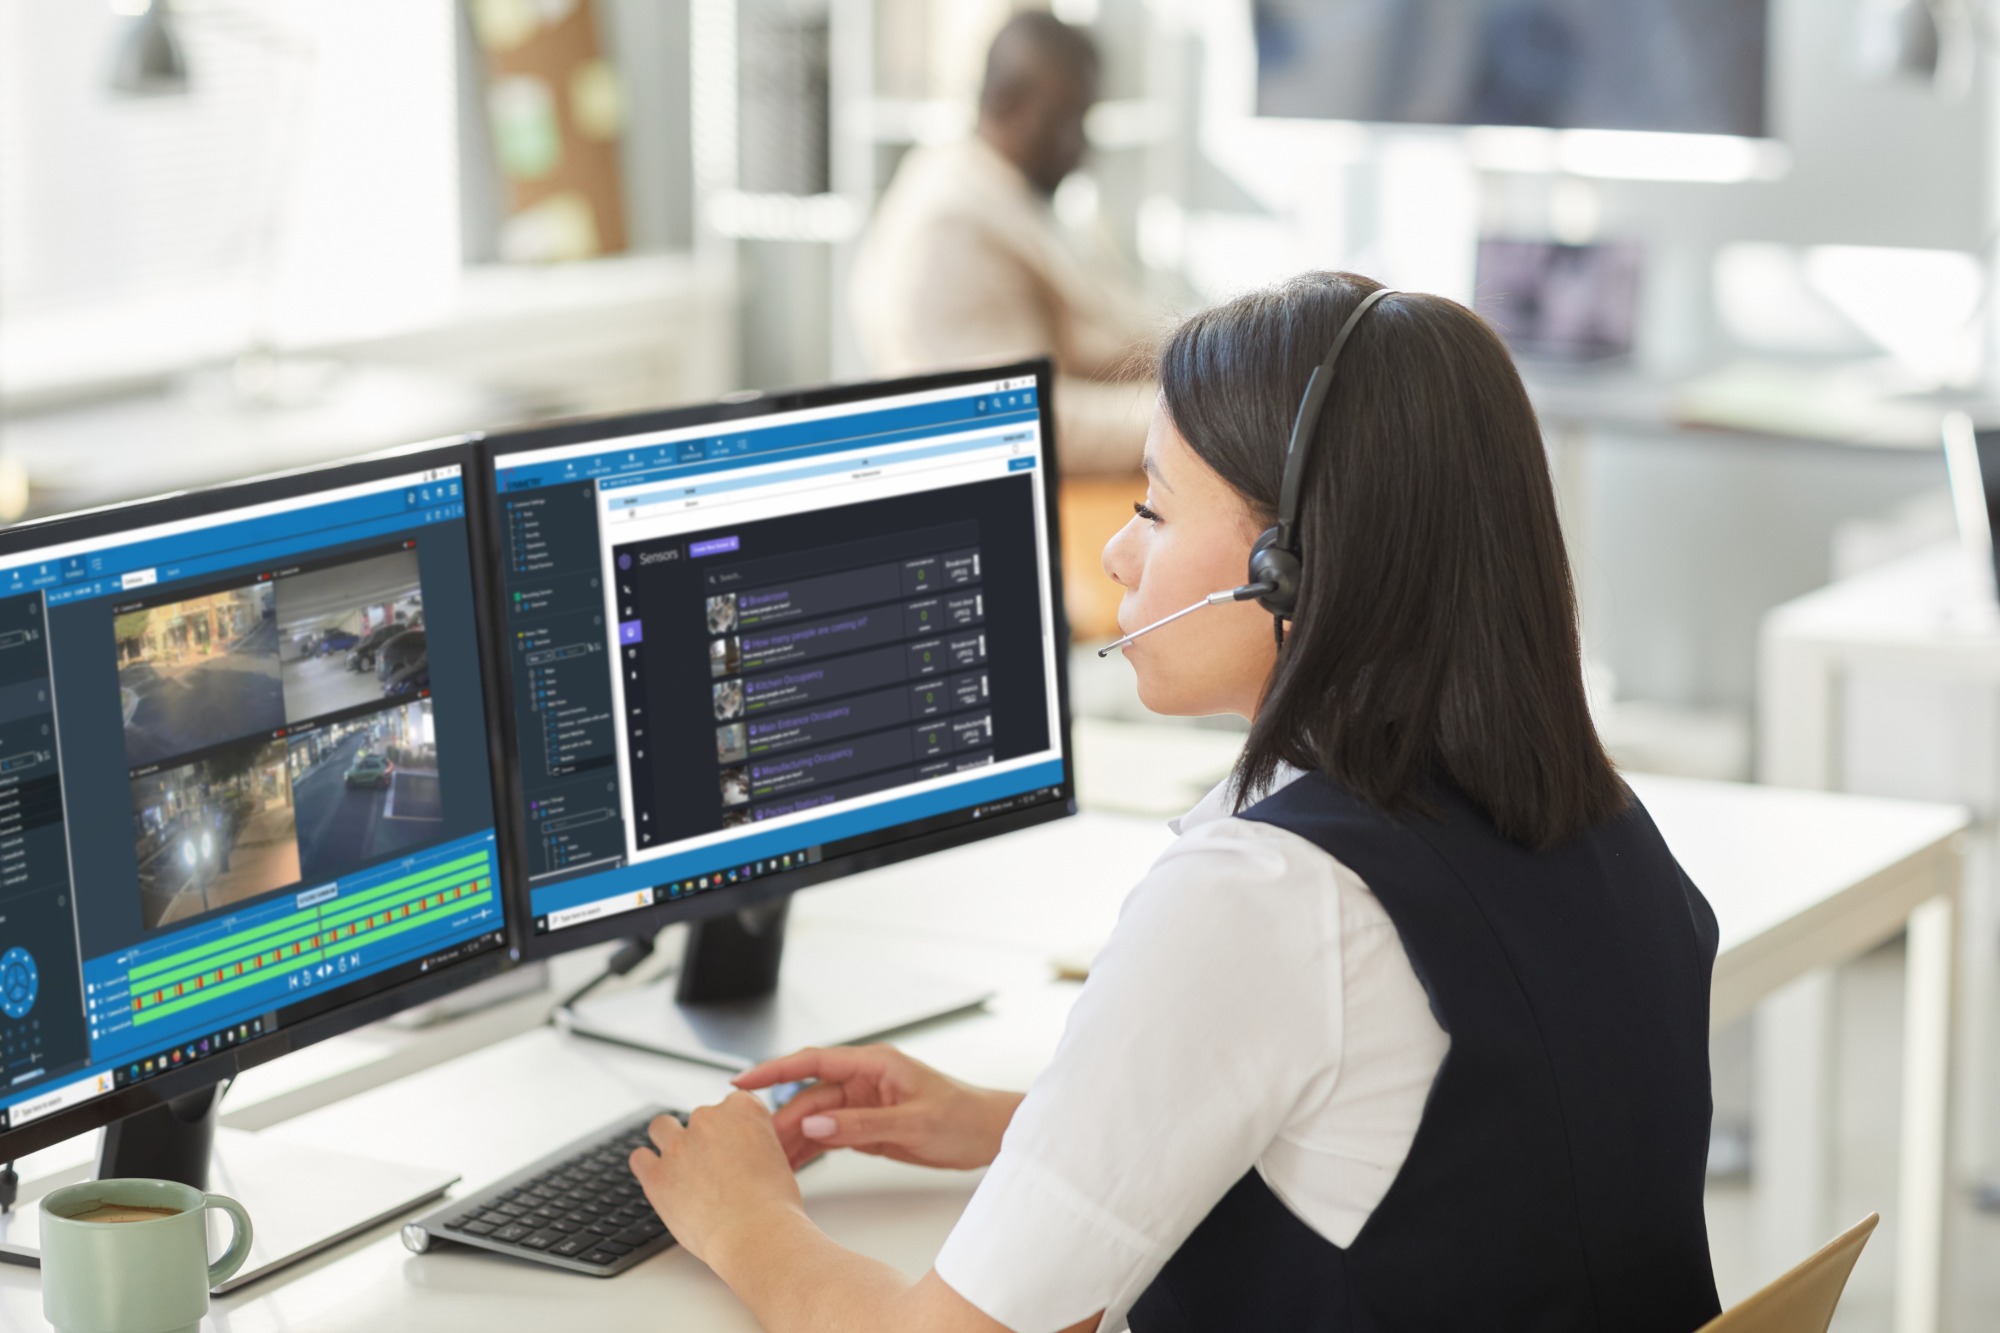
(1409, 1028)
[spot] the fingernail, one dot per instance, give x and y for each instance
(817, 1126)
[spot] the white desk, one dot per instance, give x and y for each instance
(1889, 682)
(993, 911)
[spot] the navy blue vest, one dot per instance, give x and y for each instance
(1555, 1181)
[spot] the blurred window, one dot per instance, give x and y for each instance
(304, 186)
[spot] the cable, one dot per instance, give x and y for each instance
(628, 956)
(10, 1188)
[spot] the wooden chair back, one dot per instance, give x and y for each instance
(1802, 1300)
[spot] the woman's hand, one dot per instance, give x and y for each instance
(721, 1175)
(877, 1100)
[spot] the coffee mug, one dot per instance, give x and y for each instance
(131, 1256)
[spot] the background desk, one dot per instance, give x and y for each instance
(1788, 873)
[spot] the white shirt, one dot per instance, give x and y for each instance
(1254, 1006)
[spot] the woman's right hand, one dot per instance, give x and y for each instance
(875, 1099)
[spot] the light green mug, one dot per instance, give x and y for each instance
(149, 1276)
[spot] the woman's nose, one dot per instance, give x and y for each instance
(1114, 555)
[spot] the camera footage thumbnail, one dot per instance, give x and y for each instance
(195, 672)
(352, 634)
(214, 832)
(366, 788)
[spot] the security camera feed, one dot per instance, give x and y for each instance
(1560, 302)
(196, 671)
(214, 832)
(351, 634)
(1685, 66)
(735, 787)
(366, 788)
(725, 656)
(722, 613)
(277, 730)
(732, 744)
(728, 698)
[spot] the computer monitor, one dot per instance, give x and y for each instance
(1972, 460)
(760, 645)
(246, 799)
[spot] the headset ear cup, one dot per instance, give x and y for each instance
(1270, 563)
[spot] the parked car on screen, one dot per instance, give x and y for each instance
(362, 656)
(336, 641)
(369, 769)
(404, 665)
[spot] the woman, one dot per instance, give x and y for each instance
(1409, 1028)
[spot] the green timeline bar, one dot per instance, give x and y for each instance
(208, 994)
(242, 945)
(302, 933)
(310, 935)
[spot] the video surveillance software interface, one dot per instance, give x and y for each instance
(743, 647)
(243, 767)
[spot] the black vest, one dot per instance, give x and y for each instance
(1555, 1181)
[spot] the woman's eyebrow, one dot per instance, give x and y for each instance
(1151, 467)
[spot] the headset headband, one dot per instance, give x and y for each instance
(1307, 422)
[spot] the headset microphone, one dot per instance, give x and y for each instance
(1242, 594)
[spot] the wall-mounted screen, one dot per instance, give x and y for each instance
(1686, 66)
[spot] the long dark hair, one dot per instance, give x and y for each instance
(1435, 637)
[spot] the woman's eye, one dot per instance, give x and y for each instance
(1139, 508)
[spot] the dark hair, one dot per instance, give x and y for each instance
(1435, 637)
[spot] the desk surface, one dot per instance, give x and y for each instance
(995, 912)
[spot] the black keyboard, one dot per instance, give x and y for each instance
(579, 1208)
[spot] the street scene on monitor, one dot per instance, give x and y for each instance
(214, 832)
(366, 788)
(196, 671)
(352, 634)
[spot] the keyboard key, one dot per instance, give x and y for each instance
(511, 1233)
(541, 1240)
(569, 1248)
(513, 1210)
(479, 1228)
(616, 1247)
(600, 1258)
(461, 1219)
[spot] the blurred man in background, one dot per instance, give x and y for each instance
(965, 262)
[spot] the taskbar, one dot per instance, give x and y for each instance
(97, 1082)
(729, 876)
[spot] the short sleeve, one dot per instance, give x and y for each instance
(1213, 1010)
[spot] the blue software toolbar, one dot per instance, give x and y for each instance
(639, 465)
(132, 566)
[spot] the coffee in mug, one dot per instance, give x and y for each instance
(123, 1212)
(131, 1256)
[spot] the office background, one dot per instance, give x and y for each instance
(241, 235)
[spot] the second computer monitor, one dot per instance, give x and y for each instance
(758, 645)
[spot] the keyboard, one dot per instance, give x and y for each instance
(580, 1208)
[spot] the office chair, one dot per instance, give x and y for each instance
(1802, 1300)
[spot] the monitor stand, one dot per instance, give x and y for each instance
(729, 1010)
(300, 1200)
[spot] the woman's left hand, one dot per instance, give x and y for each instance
(723, 1172)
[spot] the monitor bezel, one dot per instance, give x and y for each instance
(648, 922)
(378, 1001)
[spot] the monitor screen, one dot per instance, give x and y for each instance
(244, 775)
(1560, 302)
(765, 641)
(1685, 66)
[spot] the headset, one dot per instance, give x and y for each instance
(1275, 557)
